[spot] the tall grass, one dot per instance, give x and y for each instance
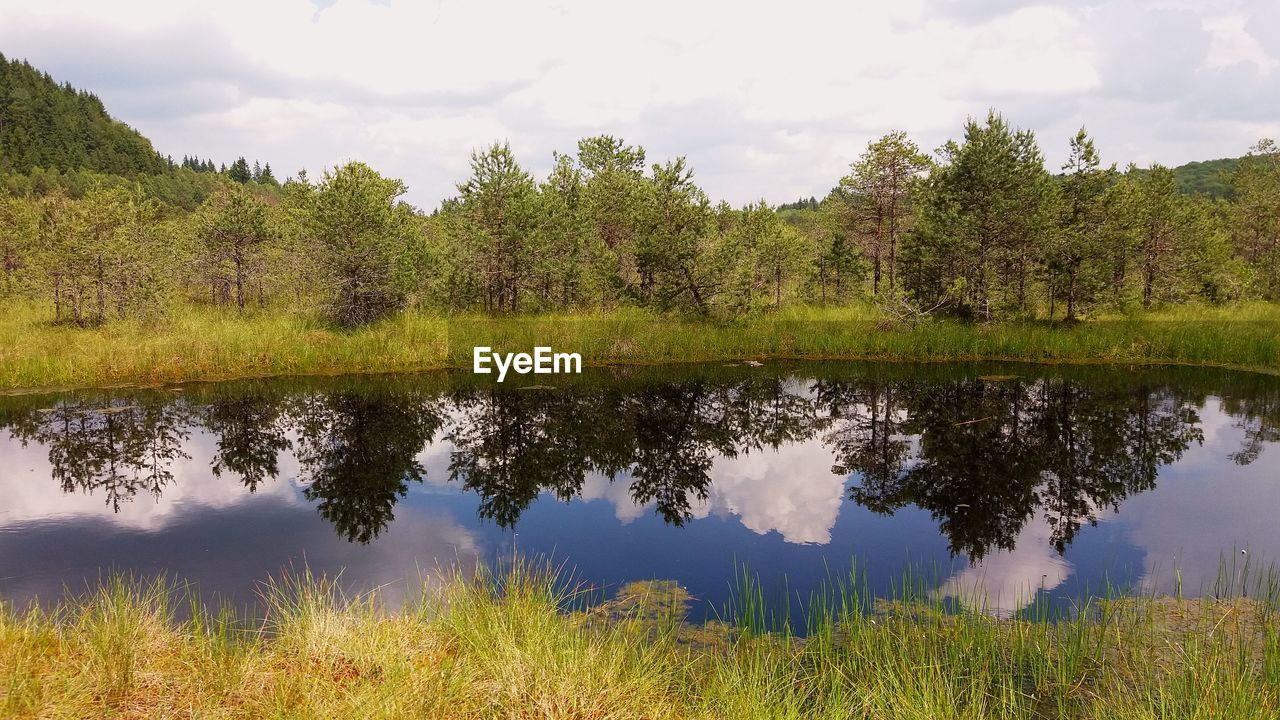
(194, 343)
(522, 643)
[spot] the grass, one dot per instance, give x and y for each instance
(513, 645)
(195, 343)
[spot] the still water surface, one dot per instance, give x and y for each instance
(1021, 479)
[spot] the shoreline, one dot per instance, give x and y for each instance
(200, 345)
(356, 372)
(518, 643)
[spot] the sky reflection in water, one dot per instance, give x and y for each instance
(1009, 478)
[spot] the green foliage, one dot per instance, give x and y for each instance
(231, 227)
(102, 256)
(1214, 178)
(1167, 235)
(768, 253)
(982, 232)
(984, 213)
(179, 190)
(19, 228)
(498, 206)
(874, 201)
(52, 126)
(1254, 217)
(613, 195)
(361, 240)
(239, 171)
(1077, 260)
(802, 204)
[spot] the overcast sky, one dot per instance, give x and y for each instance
(766, 100)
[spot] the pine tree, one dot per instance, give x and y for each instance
(1255, 215)
(498, 204)
(876, 200)
(231, 226)
(984, 214)
(361, 239)
(239, 171)
(1077, 258)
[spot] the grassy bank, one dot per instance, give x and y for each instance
(206, 344)
(507, 648)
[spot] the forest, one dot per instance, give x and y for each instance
(96, 226)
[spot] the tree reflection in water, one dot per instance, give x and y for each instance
(982, 454)
(114, 446)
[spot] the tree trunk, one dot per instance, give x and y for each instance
(1071, 295)
(240, 285)
(693, 290)
(102, 295)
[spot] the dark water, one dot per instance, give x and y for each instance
(1023, 479)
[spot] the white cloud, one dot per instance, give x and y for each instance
(766, 100)
(1006, 581)
(790, 490)
(31, 495)
(1231, 43)
(1214, 511)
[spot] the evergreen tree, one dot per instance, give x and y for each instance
(231, 226)
(984, 213)
(55, 127)
(677, 263)
(613, 196)
(18, 236)
(1077, 261)
(361, 240)
(266, 177)
(239, 171)
(1166, 235)
(876, 201)
(498, 202)
(102, 256)
(1255, 215)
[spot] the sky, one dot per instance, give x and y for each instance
(766, 100)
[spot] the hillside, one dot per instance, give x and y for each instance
(1201, 177)
(55, 137)
(51, 126)
(1207, 177)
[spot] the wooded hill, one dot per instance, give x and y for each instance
(55, 136)
(55, 127)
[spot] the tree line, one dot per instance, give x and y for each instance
(980, 229)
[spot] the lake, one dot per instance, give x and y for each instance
(1031, 482)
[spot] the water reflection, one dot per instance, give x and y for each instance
(118, 448)
(1002, 460)
(984, 455)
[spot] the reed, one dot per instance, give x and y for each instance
(198, 343)
(524, 643)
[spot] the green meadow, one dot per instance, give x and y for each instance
(214, 344)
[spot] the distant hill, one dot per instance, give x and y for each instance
(55, 137)
(51, 126)
(1201, 177)
(1207, 177)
